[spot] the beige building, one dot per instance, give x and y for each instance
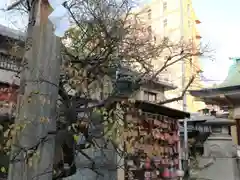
(168, 18)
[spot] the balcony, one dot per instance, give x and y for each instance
(9, 63)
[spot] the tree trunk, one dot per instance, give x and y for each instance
(103, 160)
(37, 106)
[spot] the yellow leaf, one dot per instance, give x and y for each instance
(76, 138)
(3, 170)
(18, 127)
(36, 92)
(44, 120)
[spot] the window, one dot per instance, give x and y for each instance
(150, 96)
(164, 6)
(9, 64)
(165, 23)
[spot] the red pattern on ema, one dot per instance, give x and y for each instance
(8, 94)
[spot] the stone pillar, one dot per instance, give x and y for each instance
(219, 160)
(236, 116)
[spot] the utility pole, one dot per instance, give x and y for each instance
(184, 101)
(37, 102)
(185, 141)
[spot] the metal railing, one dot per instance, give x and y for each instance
(9, 63)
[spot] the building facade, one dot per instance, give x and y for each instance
(178, 22)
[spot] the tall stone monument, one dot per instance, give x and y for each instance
(219, 161)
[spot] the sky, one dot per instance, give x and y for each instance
(220, 28)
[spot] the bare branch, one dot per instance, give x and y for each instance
(182, 94)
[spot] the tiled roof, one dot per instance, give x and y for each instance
(230, 84)
(233, 78)
(11, 33)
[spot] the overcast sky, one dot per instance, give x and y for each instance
(220, 26)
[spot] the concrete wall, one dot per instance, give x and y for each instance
(8, 77)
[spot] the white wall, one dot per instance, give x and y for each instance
(8, 77)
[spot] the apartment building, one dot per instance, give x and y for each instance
(177, 21)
